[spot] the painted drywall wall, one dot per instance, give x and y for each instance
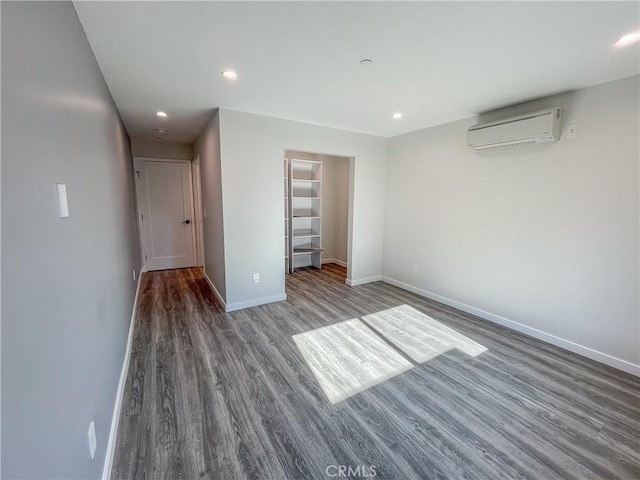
(546, 236)
(144, 147)
(335, 202)
(67, 282)
(207, 147)
(328, 207)
(252, 149)
(341, 209)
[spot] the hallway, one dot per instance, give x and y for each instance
(228, 396)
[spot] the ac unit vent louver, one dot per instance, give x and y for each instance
(530, 129)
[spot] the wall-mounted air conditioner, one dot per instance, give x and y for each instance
(536, 127)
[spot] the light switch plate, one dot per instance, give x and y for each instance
(63, 204)
(573, 131)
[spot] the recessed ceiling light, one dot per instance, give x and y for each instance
(628, 39)
(161, 114)
(366, 61)
(397, 115)
(229, 74)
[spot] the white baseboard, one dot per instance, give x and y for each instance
(115, 420)
(254, 302)
(215, 291)
(519, 327)
(362, 281)
(334, 260)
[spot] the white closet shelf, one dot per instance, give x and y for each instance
(305, 212)
(307, 250)
(305, 234)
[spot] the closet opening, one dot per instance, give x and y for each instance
(317, 213)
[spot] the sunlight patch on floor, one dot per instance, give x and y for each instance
(349, 357)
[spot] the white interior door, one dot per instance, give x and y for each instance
(165, 206)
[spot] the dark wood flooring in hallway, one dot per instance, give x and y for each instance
(228, 396)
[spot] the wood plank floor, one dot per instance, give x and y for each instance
(229, 396)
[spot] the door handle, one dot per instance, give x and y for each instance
(187, 222)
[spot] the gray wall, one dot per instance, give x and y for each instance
(341, 209)
(67, 283)
(144, 147)
(543, 239)
(207, 146)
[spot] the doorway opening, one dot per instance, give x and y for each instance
(318, 212)
(164, 196)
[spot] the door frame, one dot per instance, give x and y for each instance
(198, 219)
(140, 205)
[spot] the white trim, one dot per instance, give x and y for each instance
(115, 419)
(254, 302)
(334, 260)
(519, 327)
(215, 291)
(245, 304)
(362, 281)
(198, 219)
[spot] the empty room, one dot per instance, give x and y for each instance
(317, 240)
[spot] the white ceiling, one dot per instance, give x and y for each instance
(433, 61)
